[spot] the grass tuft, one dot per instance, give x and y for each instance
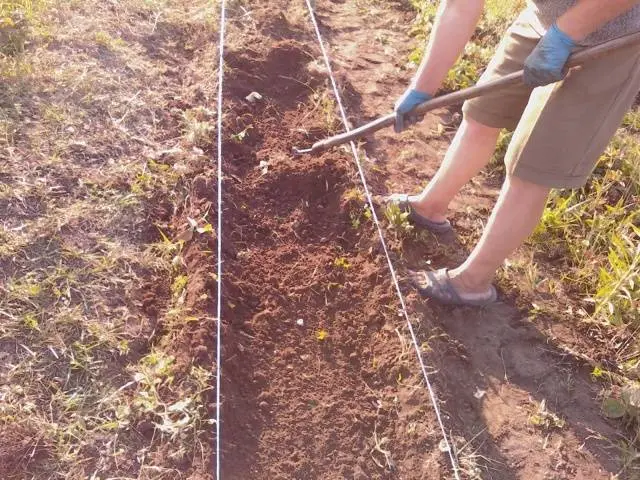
(19, 21)
(197, 126)
(596, 230)
(397, 219)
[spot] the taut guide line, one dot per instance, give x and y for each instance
(223, 14)
(394, 277)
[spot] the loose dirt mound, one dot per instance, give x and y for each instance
(315, 384)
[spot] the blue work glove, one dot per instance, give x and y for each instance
(405, 104)
(546, 63)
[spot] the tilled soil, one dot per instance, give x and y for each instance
(315, 381)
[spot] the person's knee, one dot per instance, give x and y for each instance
(476, 129)
(517, 184)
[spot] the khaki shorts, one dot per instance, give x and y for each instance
(560, 129)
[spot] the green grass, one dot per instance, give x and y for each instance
(597, 230)
(107, 41)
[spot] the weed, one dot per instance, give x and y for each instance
(598, 373)
(107, 41)
(357, 216)
(179, 285)
(153, 376)
(497, 160)
(355, 219)
(598, 232)
(154, 176)
(354, 201)
(618, 288)
(18, 20)
(197, 127)
(240, 136)
(398, 220)
(322, 335)
(353, 195)
(31, 321)
(545, 419)
(464, 74)
(625, 406)
(328, 109)
(342, 262)
(53, 114)
(632, 121)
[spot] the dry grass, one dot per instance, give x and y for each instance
(94, 161)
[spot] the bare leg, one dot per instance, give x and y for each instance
(516, 214)
(469, 152)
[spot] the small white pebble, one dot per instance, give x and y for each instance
(253, 97)
(443, 446)
(479, 393)
(300, 322)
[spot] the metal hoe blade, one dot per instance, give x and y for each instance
(301, 151)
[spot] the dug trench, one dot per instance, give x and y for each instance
(316, 315)
(318, 377)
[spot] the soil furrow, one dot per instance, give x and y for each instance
(317, 381)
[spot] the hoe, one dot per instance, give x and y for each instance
(577, 59)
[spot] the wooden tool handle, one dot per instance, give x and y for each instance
(491, 86)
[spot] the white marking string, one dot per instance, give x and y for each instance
(394, 277)
(223, 15)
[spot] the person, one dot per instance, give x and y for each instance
(562, 123)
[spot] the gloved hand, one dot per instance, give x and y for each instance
(546, 63)
(405, 104)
